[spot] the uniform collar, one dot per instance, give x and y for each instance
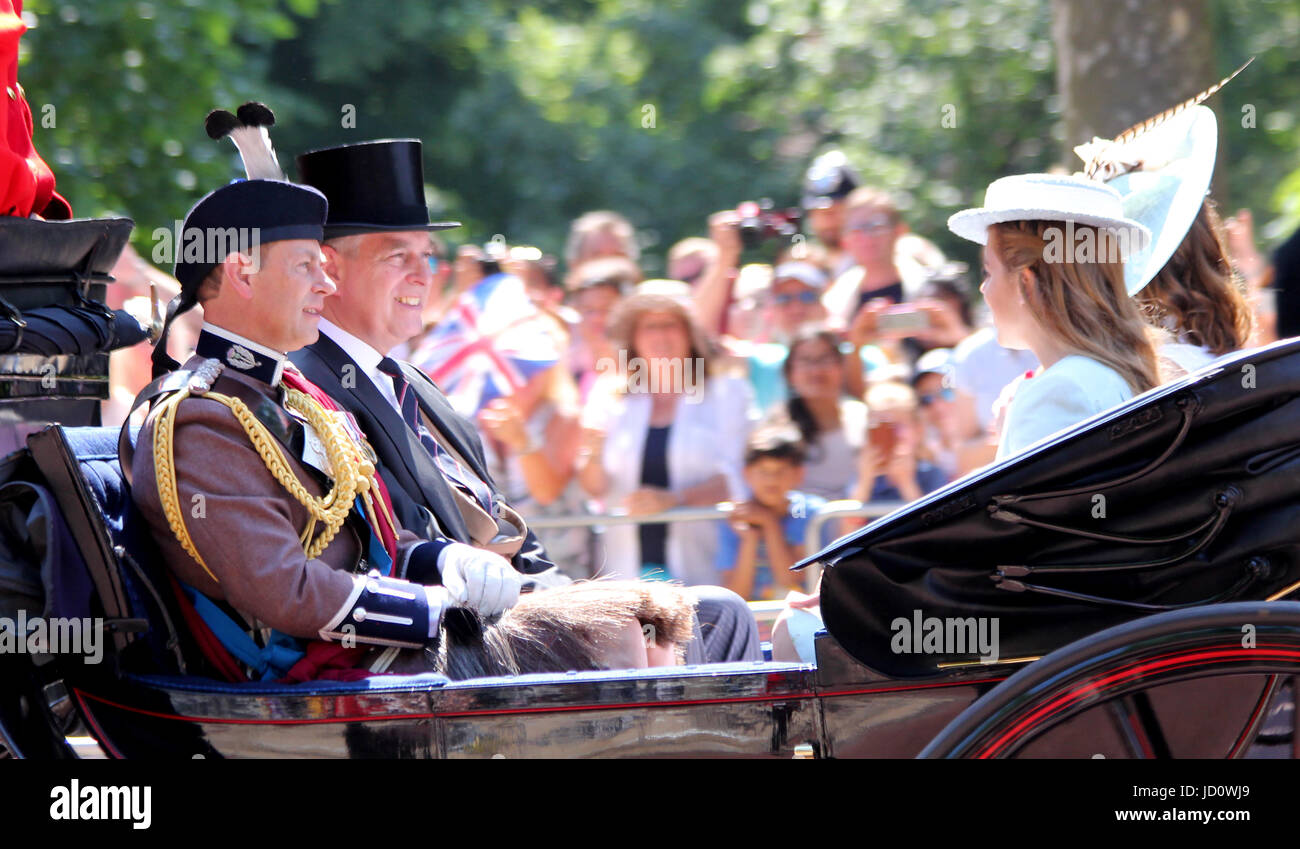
(241, 354)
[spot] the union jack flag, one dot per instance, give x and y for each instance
(488, 344)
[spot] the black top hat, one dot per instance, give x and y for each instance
(372, 187)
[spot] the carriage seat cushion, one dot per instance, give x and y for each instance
(95, 450)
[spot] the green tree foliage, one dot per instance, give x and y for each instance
(930, 99)
(1259, 125)
(532, 116)
(129, 84)
(665, 111)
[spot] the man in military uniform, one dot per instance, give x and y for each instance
(376, 250)
(261, 497)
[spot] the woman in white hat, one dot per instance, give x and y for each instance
(1054, 281)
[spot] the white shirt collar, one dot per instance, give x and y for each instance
(364, 355)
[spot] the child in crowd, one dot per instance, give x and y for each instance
(766, 534)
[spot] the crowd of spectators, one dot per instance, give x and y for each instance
(856, 363)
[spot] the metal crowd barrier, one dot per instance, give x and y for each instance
(812, 535)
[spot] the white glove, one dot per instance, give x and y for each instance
(479, 579)
(439, 600)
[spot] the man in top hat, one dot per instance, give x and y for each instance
(376, 250)
(239, 453)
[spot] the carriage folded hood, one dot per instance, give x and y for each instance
(1187, 494)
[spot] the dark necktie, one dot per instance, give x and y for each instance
(461, 477)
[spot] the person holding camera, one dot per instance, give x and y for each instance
(898, 464)
(872, 228)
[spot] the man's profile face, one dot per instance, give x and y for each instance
(289, 291)
(383, 283)
(827, 223)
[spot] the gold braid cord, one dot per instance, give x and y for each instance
(353, 474)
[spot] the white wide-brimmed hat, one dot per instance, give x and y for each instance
(1050, 197)
(1163, 176)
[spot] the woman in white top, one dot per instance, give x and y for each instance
(1054, 282)
(660, 432)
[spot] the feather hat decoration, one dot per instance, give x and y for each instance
(1162, 169)
(1106, 159)
(248, 130)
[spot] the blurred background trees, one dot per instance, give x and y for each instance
(665, 111)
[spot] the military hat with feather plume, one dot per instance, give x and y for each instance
(265, 207)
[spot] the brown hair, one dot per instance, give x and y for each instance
(775, 442)
(1195, 295)
(1084, 305)
(564, 628)
(618, 272)
(691, 246)
(796, 408)
(210, 286)
(627, 313)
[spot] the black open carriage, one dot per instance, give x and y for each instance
(1136, 567)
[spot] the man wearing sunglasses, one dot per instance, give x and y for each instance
(795, 296)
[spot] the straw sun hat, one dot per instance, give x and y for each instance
(1049, 197)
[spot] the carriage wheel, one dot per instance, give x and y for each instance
(1187, 683)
